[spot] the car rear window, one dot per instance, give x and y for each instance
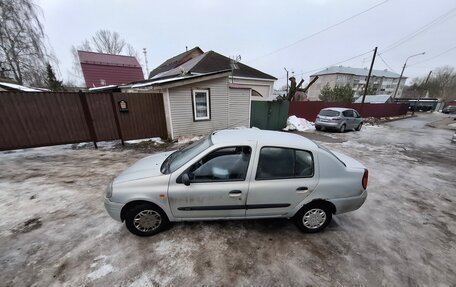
(330, 152)
(329, 113)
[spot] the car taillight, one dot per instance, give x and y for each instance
(337, 118)
(365, 178)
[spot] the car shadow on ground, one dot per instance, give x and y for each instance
(268, 225)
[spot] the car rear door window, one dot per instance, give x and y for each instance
(348, 114)
(279, 163)
(303, 164)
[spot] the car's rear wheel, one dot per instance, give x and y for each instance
(358, 128)
(317, 128)
(146, 220)
(342, 128)
(313, 217)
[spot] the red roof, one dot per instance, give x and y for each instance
(106, 69)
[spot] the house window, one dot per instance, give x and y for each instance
(201, 105)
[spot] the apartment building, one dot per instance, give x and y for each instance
(383, 82)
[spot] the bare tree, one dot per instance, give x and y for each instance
(23, 53)
(104, 41)
(445, 79)
(442, 84)
(108, 42)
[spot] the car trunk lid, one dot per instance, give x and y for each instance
(348, 161)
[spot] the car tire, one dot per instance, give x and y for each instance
(146, 220)
(342, 128)
(358, 128)
(317, 128)
(313, 217)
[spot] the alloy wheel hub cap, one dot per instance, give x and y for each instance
(147, 220)
(314, 218)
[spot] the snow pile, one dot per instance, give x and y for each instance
(156, 141)
(298, 124)
(188, 139)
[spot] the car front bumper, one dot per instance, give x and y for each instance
(113, 208)
(349, 203)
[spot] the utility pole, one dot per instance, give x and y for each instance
(287, 78)
(147, 64)
(369, 75)
(419, 96)
(403, 68)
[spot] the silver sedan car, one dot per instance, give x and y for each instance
(340, 119)
(238, 174)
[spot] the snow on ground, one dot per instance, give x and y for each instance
(55, 232)
(188, 139)
(299, 124)
(156, 140)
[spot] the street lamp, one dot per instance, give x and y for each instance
(403, 68)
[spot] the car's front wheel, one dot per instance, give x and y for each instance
(146, 220)
(313, 218)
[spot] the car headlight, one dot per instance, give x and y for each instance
(109, 190)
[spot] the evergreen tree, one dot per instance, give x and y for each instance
(342, 94)
(52, 83)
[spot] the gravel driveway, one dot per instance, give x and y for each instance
(54, 230)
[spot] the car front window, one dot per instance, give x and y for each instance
(225, 164)
(181, 157)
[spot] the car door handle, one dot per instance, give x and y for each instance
(302, 189)
(235, 193)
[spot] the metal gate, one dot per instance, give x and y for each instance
(269, 115)
(42, 119)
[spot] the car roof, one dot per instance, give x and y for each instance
(264, 137)
(337, 109)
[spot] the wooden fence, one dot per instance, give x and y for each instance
(310, 110)
(42, 119)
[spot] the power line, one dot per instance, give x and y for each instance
(383, 60)
(436, 56)
(334, 64)
(319, 32)
(420, 30)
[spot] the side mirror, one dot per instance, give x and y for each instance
(185, 179)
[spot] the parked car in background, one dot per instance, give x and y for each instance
(238, 174)
(340, 119)
(449, 110)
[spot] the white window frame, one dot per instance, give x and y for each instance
(208, 117)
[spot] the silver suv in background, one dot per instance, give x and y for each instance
(340, 119)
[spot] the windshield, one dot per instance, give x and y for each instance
(182, 156)
(329, 113)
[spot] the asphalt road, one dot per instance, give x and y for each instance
(54, 230)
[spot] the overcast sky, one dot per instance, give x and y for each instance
(255, 28)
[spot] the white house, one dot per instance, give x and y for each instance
(205, 91)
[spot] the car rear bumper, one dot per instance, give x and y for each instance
(349, 203)
(333, 125)
(113, 208)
